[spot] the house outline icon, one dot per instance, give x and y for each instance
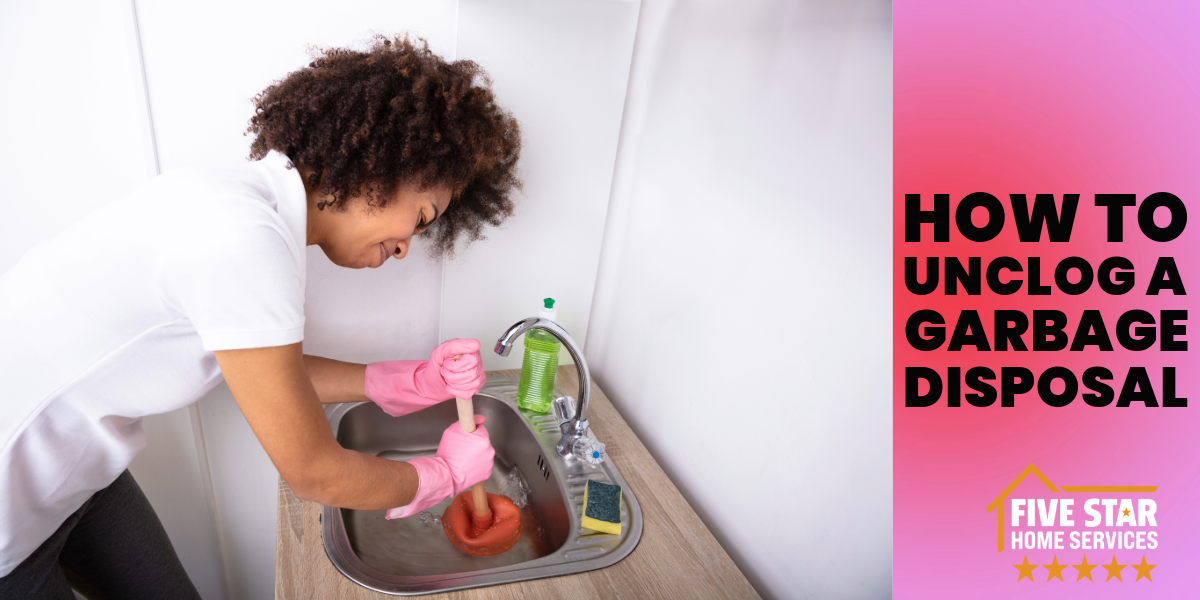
(998, 503)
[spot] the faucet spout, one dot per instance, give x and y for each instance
(577, 426)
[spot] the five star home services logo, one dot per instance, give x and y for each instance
(1108, 522)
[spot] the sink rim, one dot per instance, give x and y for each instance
(337, 546)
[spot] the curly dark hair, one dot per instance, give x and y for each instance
(368, 122)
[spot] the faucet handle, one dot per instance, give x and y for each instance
(563, 408)
(589, 450)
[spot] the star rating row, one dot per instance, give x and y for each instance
(1084, 569)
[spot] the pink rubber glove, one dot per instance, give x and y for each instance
(462, 460)
(401, 387)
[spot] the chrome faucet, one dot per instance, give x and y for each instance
(573, 423)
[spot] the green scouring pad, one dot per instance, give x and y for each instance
(602, 507)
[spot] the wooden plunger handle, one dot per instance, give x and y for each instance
(466, 420)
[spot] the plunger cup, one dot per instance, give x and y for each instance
(477, 522)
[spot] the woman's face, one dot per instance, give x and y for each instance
(361, 236)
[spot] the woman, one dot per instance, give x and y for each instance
(146, 305)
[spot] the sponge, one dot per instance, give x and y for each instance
(602, 507)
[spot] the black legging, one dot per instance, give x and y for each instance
(112, 547)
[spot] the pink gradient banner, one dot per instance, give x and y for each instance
(1086, 98)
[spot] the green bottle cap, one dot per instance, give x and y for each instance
(549, 302)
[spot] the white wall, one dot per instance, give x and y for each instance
(561, 66)
(69, 122)
(205, 61)
(742, 314)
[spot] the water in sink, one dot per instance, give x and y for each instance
(514, 488)
(418, 545)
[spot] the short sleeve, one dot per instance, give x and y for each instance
(238, 277)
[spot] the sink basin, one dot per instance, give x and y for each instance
(412, 556)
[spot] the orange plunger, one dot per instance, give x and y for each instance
(477, 522)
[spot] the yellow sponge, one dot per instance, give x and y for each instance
(602, 507)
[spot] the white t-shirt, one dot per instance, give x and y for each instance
(117, 318)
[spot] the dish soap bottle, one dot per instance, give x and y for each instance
(540, 365)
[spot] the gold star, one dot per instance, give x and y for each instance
(1085, 570)
(1026, 569)
(1114, 570)
(1125, 512)
(1055, 569)
(1143, 570)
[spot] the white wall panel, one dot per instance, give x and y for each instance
(205, 61)
(204, 64)
(366, 315)
(742, 313)
(243, 480)
(68, 122)
(561, 67)
(172, 471)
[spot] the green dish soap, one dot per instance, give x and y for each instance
(540, 365)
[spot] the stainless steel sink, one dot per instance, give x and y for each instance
(412, 556)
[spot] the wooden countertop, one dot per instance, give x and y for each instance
(677, 556)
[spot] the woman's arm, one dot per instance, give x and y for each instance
(336, 381)
(273, 389)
